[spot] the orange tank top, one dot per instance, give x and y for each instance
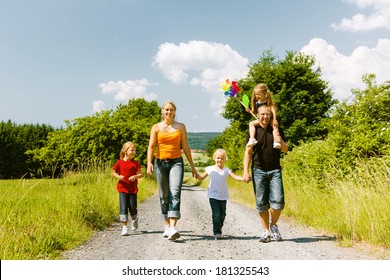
(168, 144)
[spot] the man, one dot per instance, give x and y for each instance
(267, 175)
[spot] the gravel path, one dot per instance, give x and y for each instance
(240, 242)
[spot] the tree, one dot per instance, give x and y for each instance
(301, 97)
(359, 131)
(99, 138)
(15, 140)
(360, 127)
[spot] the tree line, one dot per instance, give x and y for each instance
(308, 114)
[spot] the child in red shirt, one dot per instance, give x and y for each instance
(128, 171)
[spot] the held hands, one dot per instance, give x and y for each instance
(247, 177)
(195, 173)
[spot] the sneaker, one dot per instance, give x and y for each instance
(251, 142)
(134, 224)
(174, 234)
(217, 236)
(266, 237)
(277, 145)
(166, 231)
(125, 231)
(275, 234)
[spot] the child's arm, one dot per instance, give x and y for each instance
(202, 177)
(236, 177)
(136, 177)
(118, 176)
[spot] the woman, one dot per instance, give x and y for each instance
(170, 137)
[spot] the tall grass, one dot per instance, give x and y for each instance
(355, 207)
(39, 219)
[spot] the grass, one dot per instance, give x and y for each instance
(354, 207)
(39, 219)
(42, 218)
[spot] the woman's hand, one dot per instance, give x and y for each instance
(195, 173)
(149, 169)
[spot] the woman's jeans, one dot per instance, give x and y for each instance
(169, 175)
(218, 209)
(127, 203)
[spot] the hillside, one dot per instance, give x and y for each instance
(199, 140)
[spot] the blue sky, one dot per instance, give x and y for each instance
(64, 59)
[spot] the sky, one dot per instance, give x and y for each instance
(65, 59)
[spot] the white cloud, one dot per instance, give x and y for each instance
(379, 18)
(345, 72)
(129, 89)
(98, 105)
(200, 63)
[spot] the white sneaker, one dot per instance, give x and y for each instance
(134, 224)
(251, 142)
(277, 145)
(166, 231)
(174, 234)
(125, 231)
(275, 234)
(218, 236)
(266, 237)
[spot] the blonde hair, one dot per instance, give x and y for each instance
(167, 102)
(262, 88)
(220, 152)
(125, 147)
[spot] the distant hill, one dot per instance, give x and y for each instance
(199, 140)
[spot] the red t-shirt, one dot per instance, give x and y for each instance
(127, 169)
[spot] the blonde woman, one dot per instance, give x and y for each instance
(218, 189)
(170, 137)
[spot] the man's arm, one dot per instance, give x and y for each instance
(247, 161)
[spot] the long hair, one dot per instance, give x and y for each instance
(167, 102)
(124, 149)
(262, 89)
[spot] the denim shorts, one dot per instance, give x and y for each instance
(169, 175)
(268, 188)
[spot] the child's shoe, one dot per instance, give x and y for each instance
(277, 145)
(134, 224)
(251, 142)
(125, 231)
(217, 236)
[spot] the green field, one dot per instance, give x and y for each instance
(199, 140)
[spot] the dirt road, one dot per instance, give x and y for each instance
(240, 242)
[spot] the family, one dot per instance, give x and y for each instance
(261, 165)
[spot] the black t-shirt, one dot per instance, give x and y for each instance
(264, 156)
